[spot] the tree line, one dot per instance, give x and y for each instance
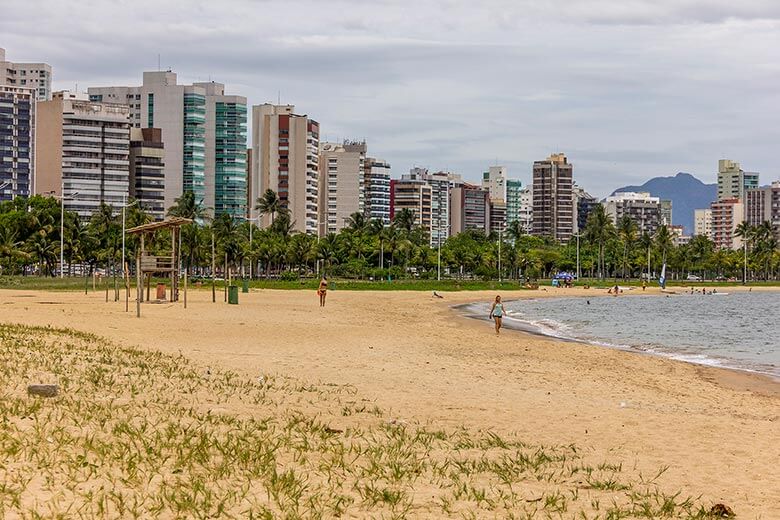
(365, 248)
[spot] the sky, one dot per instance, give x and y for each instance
(627, 89)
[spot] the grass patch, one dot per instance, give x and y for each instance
(137, 434)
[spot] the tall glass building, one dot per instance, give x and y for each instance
(17, 120)
(203, 132)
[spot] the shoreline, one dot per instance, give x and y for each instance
(735, 377)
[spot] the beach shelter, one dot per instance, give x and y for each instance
(147, 264)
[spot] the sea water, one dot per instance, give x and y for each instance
(737, 330)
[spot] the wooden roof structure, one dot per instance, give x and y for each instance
(170, 222)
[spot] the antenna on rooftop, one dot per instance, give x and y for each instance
(279, 97)
(158, 62)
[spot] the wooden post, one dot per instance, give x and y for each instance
(213, 272)
(225, 276)
(148, 285)
(140, 274)
(126, 274)
(185, 289)
(139, 286)
(173, 264)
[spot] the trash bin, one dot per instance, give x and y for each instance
(233, 294)
(244, 285)
(160, 291)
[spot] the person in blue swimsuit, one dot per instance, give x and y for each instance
(497, 313)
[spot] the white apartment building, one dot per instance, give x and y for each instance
(35, 76)
(285, 159)
(342, 184)
(733, 181)
(702, 222)
(642, 208)
(495, 182)
(83, 152)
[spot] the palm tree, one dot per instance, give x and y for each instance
(269, 204)
(284, 225)
(663, 240)
(627, 230)
(187, 207)
(646, 242)
(11, 248)
(599, 229)
(745, 232)
(515, 230)
(357, 222)
(404, 220)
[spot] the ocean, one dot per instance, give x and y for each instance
(738, 330)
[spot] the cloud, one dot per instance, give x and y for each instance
(628, 89)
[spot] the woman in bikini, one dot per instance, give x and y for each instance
(497, 313)
(323, 290)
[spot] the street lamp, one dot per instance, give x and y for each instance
(578, 256)
(500, 231)
(251, 220)
(124, 206)
(62, 226)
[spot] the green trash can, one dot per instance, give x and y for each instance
(233, 294)
(244, 285)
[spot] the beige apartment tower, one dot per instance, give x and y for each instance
(285, 159)
(83, 152)
(33, 76)
(342, 184)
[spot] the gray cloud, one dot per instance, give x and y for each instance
(627, 89)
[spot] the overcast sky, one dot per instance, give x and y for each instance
(628, 89)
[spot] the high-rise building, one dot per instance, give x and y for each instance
(702, 222)
(470, 208)
(415, 195)
(644, 210)
(35, 76)
(733, 181)
(225, 151)
(527, 208)
(665, 208)
(553, 212)
(147, 170)
(763, 205)
(377, 190)
(83, 152)
(514, 189)
(342, 184)
(495, 181)
(17, 141)
(727, 214)
(285, 159)
(583, 203)
(179, 111)
(497, 216)
(440, 183)
(679, 238)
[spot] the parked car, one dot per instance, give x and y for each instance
(693, 278)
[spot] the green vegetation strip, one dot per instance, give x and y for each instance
(137, 434)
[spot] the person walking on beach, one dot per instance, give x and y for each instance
(322, 292)
(497, 313)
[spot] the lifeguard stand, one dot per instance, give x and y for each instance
(147, 264)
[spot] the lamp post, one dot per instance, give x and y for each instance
(124, 206)
(250, 220)
(62, 226)
(500, 231)
(578, 256)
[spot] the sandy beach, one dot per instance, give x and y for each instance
(716, 430)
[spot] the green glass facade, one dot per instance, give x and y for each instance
(230, 159)
(513, 189)
(195, 144)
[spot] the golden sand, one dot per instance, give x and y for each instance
(717, 431)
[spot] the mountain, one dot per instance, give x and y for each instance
(686, 192)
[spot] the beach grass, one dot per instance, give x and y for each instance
(141, 434)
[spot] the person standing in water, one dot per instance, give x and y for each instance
(323, 290)
(497, 313)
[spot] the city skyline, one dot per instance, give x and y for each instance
(644, 90)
